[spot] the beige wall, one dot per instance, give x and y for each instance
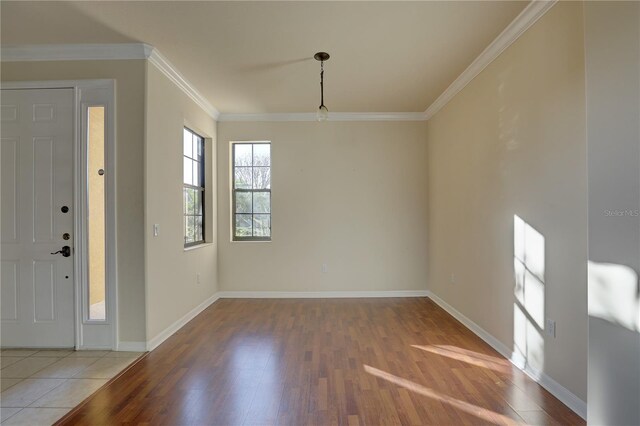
(349, 195)
(130, 86)
(172, 287)
(612, 46)
(513, 143)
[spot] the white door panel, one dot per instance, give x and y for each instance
(37, 182)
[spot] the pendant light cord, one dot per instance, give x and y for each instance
(321, 84)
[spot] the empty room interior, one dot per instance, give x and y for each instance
(320, 212)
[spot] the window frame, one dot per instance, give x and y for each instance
(201, 189)
(234, 190)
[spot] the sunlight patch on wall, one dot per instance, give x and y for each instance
(529, 291)
(614, 294)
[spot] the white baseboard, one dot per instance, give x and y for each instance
(477, 330)
(166, 333)
(132, 346)
(556, 389)
(319, 294)
(567, 397)
(177, 325)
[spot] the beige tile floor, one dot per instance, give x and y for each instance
(38, 387)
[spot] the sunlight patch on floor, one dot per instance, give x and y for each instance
(469, 357)
(479, 412)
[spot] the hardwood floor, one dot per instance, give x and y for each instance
(323, 362)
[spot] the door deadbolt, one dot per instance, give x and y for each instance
(64, 209)
(66, 236)
(101, 172)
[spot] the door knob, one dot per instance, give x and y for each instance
(65, 251)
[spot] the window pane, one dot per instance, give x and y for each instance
(96, 219)
(198, 234)
(261, 177)
(261, 154)
(199, 142)
(190, 201)
(261, 225)
(197, 205)
(188, 144)
(196, 174)
(243, 202)
(184, 201)
(243, 225)
(262, 202)
(243, 178)
(242, 154)
(190, 235)
(188, 171)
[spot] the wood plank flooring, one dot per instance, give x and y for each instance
(323, 362)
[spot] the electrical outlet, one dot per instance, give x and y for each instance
(551, 328)
(324, 268)
(156, 229)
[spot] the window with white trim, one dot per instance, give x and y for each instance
(193, 188)
(251, 191)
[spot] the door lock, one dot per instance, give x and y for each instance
(65, 251)
(66, 236)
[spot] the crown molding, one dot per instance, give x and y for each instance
(333, 116)
(74, 52)
(97, 52)
(534, 11)
(172, 73)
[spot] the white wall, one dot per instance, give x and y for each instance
(351, 195)
(512, 143)
(130, 98)
(172, 289)
(612, 43)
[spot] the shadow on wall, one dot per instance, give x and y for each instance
(528, 307)
(614, 358)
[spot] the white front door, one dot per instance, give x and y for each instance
(36, 291)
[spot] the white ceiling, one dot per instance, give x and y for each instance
(257, 57)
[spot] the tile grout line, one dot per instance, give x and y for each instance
(52, 389)
(109, 382)
(12, 414)
(65, 380)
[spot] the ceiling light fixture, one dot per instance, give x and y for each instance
(323, 112)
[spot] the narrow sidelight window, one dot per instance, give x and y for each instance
(251, 187)
(193, 188)
(96, 219)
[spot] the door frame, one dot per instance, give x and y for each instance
(83, 89)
